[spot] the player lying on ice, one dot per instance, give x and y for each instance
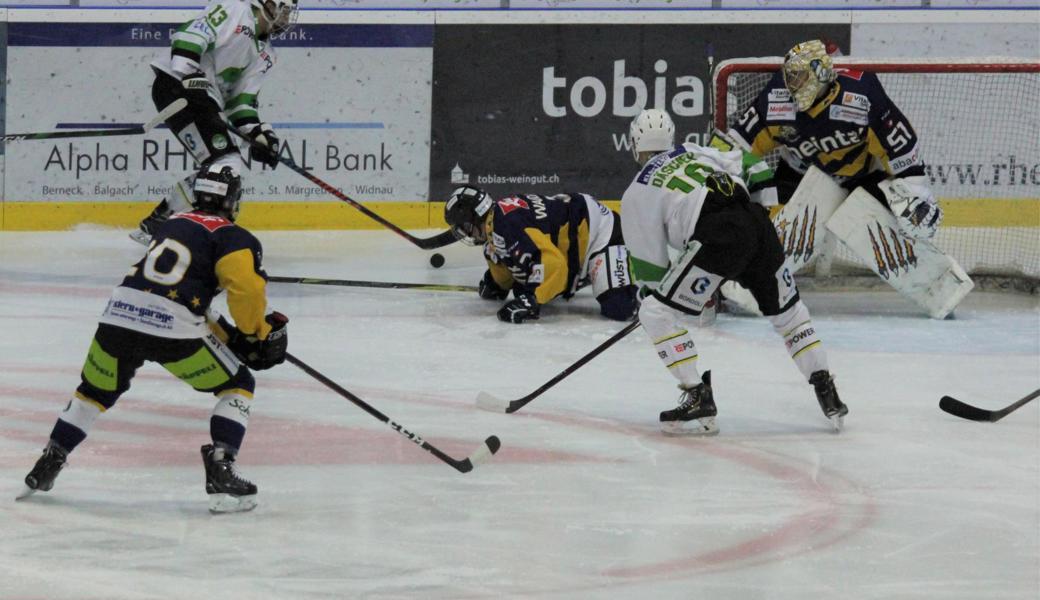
(159, 313)
(696, 200)
(544, 247)
(850, 166)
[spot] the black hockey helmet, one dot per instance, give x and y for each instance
(466, 212)
(218, 190)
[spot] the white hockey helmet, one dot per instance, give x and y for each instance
(651, 131)
(808, 72)
(280, 15)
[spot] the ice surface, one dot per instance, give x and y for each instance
(586, 499)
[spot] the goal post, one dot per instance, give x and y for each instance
(978, 125)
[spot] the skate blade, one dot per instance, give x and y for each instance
(699, 427)
(25, 493)
(226, 503)
(140, 237)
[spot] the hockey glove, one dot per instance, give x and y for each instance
(260, 354)
(264, 144)
(524, 307)
(196, 89)
(488, 288)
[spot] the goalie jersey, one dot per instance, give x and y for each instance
(222, 43)
(541, 244)
(855, 129)
(192, 257)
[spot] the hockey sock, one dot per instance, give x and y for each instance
(227, 425)
(796, 327)
(75, 422)
(673, 343)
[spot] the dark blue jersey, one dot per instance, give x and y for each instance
(539, 243)
(193, 256)
(853, 130)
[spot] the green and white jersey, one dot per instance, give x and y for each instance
(222, 43)
(661, 206)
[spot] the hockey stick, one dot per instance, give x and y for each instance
(438, 241)
(491, 445)
(489, 402)
(432, 287)
(966, 411)
(173, 108)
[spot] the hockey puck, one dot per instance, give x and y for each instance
(437, 260)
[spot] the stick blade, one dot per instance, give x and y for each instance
(492, 403)
(482, 455)
(965, 411)
(171, 109)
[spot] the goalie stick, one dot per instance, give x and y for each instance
(966, 411)
(173, 108)
(440, 240)
(484, 453)
(489, 402)
(432, 287)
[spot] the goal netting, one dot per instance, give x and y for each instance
(978, 122)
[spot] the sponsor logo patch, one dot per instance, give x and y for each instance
(851, 115)
(855, 101)
(779, 95)
(785, 111)
(219, 141)
(511, 203)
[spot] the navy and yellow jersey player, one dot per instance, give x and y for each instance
(159, 314)
(841, 121)
(544, 247)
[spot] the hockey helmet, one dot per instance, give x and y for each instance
(466, 213)
(651, 131)
(281, 15)
(808, 72)
(218, 190)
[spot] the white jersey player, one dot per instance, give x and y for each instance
(696, 200)
(218, 62)
(844, 143)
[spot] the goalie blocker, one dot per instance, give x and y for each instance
(821, 211)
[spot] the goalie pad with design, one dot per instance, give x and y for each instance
(800, 224)
(914, 267)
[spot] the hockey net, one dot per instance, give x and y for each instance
(978, 122)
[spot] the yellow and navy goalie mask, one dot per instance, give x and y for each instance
(466, 213)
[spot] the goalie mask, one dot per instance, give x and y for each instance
(808, 73)
(651, 131)
(280, 15)
(466, 213)
(218, 190)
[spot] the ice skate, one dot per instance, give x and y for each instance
(43, 474)
(144, 232)
(827, 395)
(695, 414)
(228, 492)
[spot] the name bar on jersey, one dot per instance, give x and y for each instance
(158, 34)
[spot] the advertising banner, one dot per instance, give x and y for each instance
(350, 102)
(546, 108)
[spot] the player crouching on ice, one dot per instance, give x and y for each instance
(159, 313)
(543, 247)
(696, 200)
(850, 167)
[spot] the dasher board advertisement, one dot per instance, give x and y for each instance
(546, 108)
(351, 103)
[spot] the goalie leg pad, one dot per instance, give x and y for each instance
(800, 223)
(914, 267)
(672, 342)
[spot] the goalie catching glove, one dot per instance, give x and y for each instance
(264, 144)
(259, 354)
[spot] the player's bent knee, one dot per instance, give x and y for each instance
(619, 304)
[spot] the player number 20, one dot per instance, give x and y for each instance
(175, 274)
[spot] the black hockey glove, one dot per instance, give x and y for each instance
(265, 144)
(260, 354)
(488, 288)
(522, 308)
(196, 89)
